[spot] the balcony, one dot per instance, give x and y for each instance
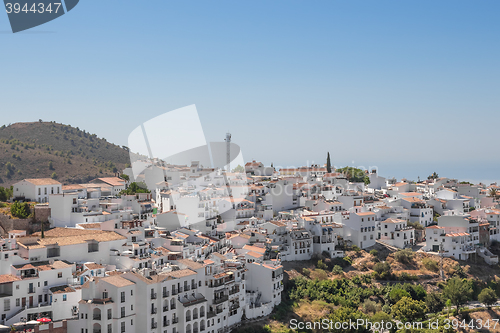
(96, 317)
(31, 290)
(218, 300)
(188, 318)
(174, 292)
(166, 294)
(153, 295)
(210, 314)
(165, 308)
(154, 325)
(175, 320)
(166, 323)
(154, 310)
(234, 291)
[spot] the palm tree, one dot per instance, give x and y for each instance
(493, 193)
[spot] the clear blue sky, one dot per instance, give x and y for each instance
(409, 86)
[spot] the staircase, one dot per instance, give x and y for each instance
(390, 247)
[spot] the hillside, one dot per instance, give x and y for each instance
(352, 288)
(49, 149)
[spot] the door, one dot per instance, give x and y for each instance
(435, 248)
(23, 302)
(31, 301)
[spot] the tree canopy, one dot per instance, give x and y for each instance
(355, 175)
(20, 209)
(458, 291)
(134, 188)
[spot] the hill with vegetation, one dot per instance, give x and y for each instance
(48, 149)
(382, 286)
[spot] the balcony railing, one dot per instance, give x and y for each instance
(153, 295)
(174, 292)
(166, 323)
(97, 317)
(166, 294)
(154, 325)
(154, 310)
(210, 314)
(188, 318)
(165, 308)
(175, 320)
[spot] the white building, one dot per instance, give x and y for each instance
(37, 189)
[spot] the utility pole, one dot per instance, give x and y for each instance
(441, 254)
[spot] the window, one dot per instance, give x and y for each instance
(122, 294)
(132, 307)
(110, 314)
(59, 275)
(18, 302)
(65, 298)
(122, 314)
(131, 292)
(45, 192)
(123, 327)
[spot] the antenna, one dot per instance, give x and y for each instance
(228, 151)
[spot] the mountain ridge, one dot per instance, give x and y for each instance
(49, 149)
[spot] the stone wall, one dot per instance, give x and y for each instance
(9, 224)
(42, 213)
(57, 327)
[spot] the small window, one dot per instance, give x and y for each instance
(65, 298)
(59, 275)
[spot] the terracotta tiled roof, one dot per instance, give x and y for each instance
(6, 278)
(113, 181)
(93, 266)
(117, 281)
(62, 289)
(42, 181)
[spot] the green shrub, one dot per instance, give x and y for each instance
(374, 252)
(347, 261)
(431, 265)
(337, 270)
(321, 265)
(20, 210)
(404, 256)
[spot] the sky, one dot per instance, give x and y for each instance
(409, 87)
